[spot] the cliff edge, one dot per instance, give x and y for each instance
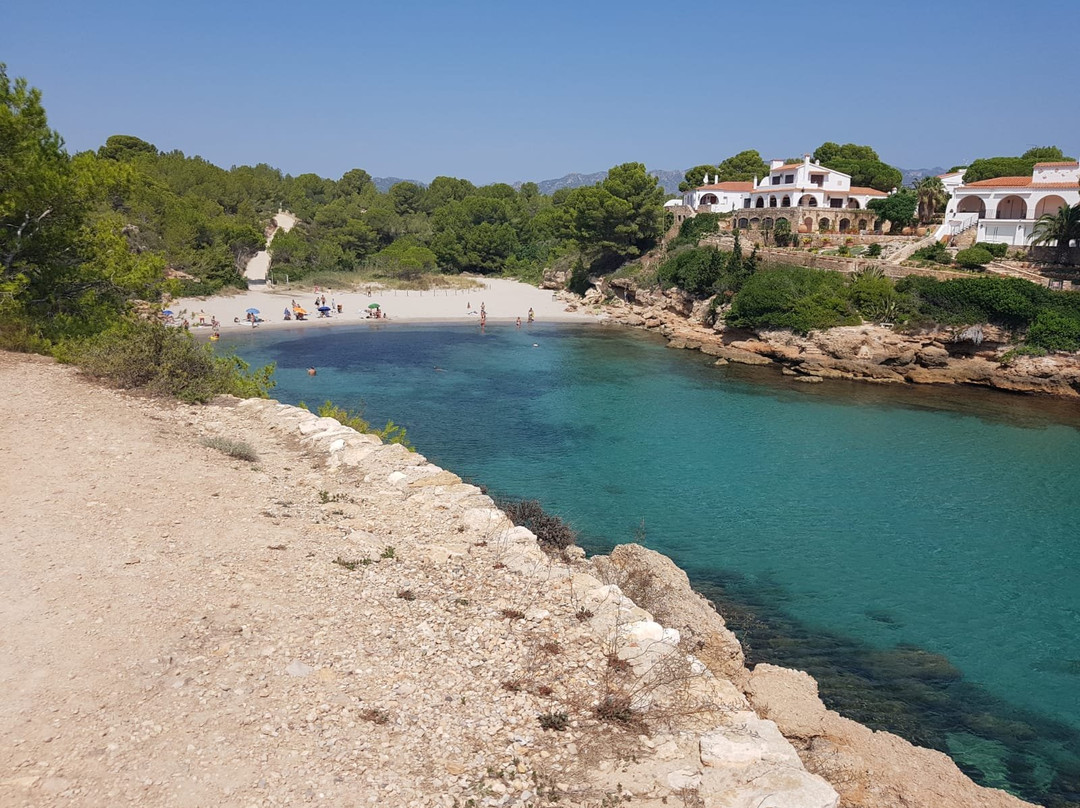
(246, 604)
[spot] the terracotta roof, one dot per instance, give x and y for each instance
(858, 189)
(1000, 182)
(727, 186)
(948, 174)
(1019, 182)
(1069, 163)
(786, 167)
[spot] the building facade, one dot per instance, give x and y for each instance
(809, 196)
(1005, 209)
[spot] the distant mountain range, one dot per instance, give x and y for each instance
(385, 183)
(915, 174)
(669, 180)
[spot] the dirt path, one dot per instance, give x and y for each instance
(340, 622)
(177, 629)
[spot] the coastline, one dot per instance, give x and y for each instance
(251, 567)
(867, 353)
(504, 301)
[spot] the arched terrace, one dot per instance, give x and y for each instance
(972, 204)
(807, 201)
(1012, 207)
(1049, 204)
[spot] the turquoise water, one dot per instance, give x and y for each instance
(916, 549)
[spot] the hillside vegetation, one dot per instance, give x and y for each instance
(88, 240)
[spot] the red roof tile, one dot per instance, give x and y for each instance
(1001, 182)
(858, 189)
(1019, 182)
(1068, 163)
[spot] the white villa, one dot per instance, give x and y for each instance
(808, 185)
(1005, 208)
(790, 191)
(717, 197)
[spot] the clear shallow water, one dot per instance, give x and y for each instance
(915, 549)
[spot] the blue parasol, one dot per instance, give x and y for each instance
(252, 311)
(324, 308)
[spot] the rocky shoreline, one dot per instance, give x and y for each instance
(344, 621)
(871, 353)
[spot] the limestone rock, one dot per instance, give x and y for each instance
(655, 583)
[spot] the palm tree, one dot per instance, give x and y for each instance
(932, 196)
(1061, 227)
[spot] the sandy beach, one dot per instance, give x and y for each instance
(503, 300)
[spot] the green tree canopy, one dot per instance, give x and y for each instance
(354, 182)
(124, 147)
(898, 208)
(987, 168)
(861, 163)
(743, 167)
(695, 177)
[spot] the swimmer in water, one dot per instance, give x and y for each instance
(311, 371)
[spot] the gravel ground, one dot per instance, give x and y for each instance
(336, 622)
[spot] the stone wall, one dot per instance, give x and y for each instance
(837, 263)
(860, 220)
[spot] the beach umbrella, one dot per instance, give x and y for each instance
(167, 313)
(252, 311)
(374, 306)
(324, 308)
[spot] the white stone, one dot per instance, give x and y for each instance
(298, 668)
(745, 741)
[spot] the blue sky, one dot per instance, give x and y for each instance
(507, 91)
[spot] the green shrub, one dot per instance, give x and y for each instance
(694, 229)
(354, 419)
(936, 252)
(874, 250)
(797, 298)
(695, 270)
(551, 531)
(138, 354)
(233, 448)
(974, 258)
(1009, 302)
(996, 250)
(874, 295)
(1055, 331)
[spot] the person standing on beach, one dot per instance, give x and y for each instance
(530, 314)
(518, 322)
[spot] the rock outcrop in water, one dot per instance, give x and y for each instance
(869, 353)
(869, 769)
